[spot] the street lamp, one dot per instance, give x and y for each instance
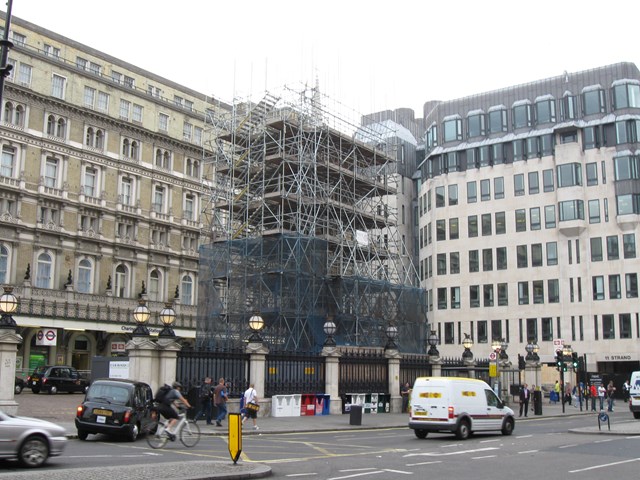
(167, 317)
(141, 315)
(536, 349)
(8, 305)
(467, 343)
(433, 341)
(392, 334)
(529, 349)
(329, 330)
(503, 350)
(256, 324)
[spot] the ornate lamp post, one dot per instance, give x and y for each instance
(329, 330)
(536, 349)
(141, 315)
(433, 341)
(256, 324)
(167, 317)
(392, 334)
(467, 343)
(503, 351)
(529, 349)
(8, 305)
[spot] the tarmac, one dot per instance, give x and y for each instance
(622, 424)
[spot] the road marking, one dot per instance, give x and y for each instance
(451, 445)
(422, 463)
(480, 458)
(571, 445)
(493, 440)
(605, 465)
(439, 454)
(357, 475)
(367, 471)
(633, 437)
(528, 451)
(604, 441)
(524, 436)
(301, 475)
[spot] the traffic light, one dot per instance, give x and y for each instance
(574, 360)
(559, 360)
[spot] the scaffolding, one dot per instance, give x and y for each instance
(303, 228)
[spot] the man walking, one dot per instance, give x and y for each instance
(220, 395)
(251, 406)
(524, 400)
(205, 401)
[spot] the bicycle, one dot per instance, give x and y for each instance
(186, 430)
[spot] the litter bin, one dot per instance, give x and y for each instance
(537, 402)
(355, 415)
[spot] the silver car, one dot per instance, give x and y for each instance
(29, 440)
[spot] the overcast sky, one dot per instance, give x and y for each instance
(367, 54)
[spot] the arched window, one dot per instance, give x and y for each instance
(85, 271)
(122, 281)
(158, 158)
(125, 147)
(134, 150)
(4, 263)
(8, 112)
(89, 137)
(196, 168)
(99, 139)
(155, 285)
(166, 160)
(186, 290)
(61, 129)
(51, 125)
(19, 118)
(43, 271)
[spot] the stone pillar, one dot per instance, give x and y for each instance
(143, 360)
(436, 365)
(393, 365)
(257, 363)
(505, 386)
(167, 369)
(532, 373)
(9, 341)
(332, 378)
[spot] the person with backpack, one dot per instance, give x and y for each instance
(166, 398)
(220, 396)
(206, 395)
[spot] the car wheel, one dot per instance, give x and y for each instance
(463, 431)
(35, 390)
(82, 434)
(507, 427)
(33, 452)
(18, 390)
(133, 434)
(53, 390)
(636, 415)
(421, 433)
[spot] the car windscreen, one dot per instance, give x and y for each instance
(100, 392)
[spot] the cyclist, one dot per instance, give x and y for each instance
(168, 407)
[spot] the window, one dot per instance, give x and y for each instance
(448, 332)
(103, 102)
(592, 174)
(628, 204)
(158, 199)
(545, 111)
(532, 147)
(130, 148)
(547, 180)
(518, 150)
(197, 135)
(547, 329)
(487, 295)
(615, 289)
(137, 113)
(613, 251)
(629, 245)
(56, 126)
(521, 115)
(536, 255)
(538, 291)
(14, 114)
(432, 137)
(608, 327)
(154, 91)
(455, 297)
(571, 210)
(569, 175)
(474, 261)
(550, 216)
(475, 125)
(518, 184)
(569, 137)
(484, 156)
(593, 101)
(483, 334)
(189, 204)
(501, 223)
(85, 272)
(187, 132)
(453, 194)
(498, 187)
(24, 74)
(440, 197)
(4, 263)
(631, 285)
(441, 230)
(627, 131)
(57, 86)
(8, 165)
(590, 138)
(472, 226)
(474, 296)
(454, 262)
(441, 264)
(125, 109)
(163, 159)
(625, 325)
(534, 183)
(485, 190)
(568, 107)
(487, 260)
(94, 138)
(452, 130)
(155, 286)
(486, 224)
(442, 298)
(626, 95)
(596, 249)
(552, 253)
(472, 192)
(18, 38)
(89, 187)
(503, 295)
(497, 153)
(627, 167)
(186, 291)
(121, 283)
(125, 231)
(521, 220)
(498, 120)
(598, 287)
(523, 293)
(521, 255)
(44, 271)
(501, 258)
(534, 218)
(594, 211)
(192, 167)
(51, 172)
(89, 97)
(553, 286)
(163, 122)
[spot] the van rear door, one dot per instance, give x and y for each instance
(430, 402)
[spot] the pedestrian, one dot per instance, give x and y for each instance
(524, 400)
(404, 392)
(556, 393)
(251, 405)
(611, 390)
(220, 396)
(593, 392)
(532, 393)
(205, 396)
(625, 391)
(567, 394)
(601, 393)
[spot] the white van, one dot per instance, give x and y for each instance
(457, 405)
(634, 394)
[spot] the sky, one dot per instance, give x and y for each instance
(367, 55)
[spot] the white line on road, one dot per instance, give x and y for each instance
(357, 475)
(493, 440)
(528, 451)
(605, 465)
(422, 463)
(439, 454)
(451, 445)
(398, 471)
(301, 475)
(604, 441)
(486, 456)
(524, 436)
(568, 446)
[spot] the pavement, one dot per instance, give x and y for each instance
(622, 424)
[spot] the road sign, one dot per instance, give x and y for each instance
(493, 370)
(558, 343)
(492, 356)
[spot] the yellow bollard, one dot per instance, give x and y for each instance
(235, 436)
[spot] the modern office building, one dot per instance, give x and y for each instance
(101, 188)
(529, 210)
